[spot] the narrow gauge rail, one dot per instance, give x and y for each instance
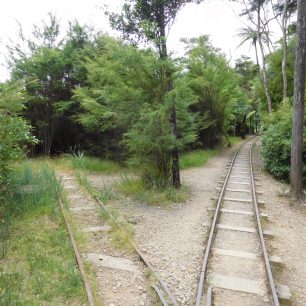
(164, 294)
(240, 268)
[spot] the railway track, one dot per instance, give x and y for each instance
(236, 268)
(163, 293)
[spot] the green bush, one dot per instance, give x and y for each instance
(276, 143)
(14, 131)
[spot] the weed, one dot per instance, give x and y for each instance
(122, 238)
(122, 233)
(82, 162)
(138, 191)
(196, 158)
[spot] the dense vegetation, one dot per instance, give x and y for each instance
(108, 98)
(88, 92)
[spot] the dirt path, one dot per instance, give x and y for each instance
(289, 226)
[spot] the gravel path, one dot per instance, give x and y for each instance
(173, 238)
(289, 226)
(119, 274)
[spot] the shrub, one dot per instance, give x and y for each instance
(276, 143)
(14, 131)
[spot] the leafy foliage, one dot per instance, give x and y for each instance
(51, 68)
(276, 143)
(216, 86)
(14, 130)
(128, 92)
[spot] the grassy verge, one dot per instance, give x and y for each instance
(122, 233)
(135, 189)
(79, 162)
(233, 139)
(37, 262)
(82, 162)
(196, 158)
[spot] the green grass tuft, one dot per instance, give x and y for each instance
(82, 162)
(196, 158)
(234, 139)
(137, 190)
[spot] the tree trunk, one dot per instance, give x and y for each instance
(264, 71)
(284, 43)
(176, 181)
(298, 110)
(256, 53)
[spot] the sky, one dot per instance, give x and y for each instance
(217, 18)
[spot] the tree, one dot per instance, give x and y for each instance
(256, 12)
(285, 8)
(216, 86)
(248, 34)
(55, 68)
(14, 130)
(275, 73)
(149, 20)
(127, 103)
(299, 100)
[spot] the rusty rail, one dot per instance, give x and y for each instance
(146, 262)
(78, 257)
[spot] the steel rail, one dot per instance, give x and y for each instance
(145, 261)
(211, 234)
(261, 236)
(262, 242)
(77, 256)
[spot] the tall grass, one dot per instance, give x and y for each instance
(81, 162)
(234, 139)
(37, 263)
(196, 158)
(136, 189)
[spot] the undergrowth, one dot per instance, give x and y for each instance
(122, 233)
(233, 139)
(81, 162)
(196, 158)
(37, 262)
(136, 189)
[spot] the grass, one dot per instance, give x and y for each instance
(196, 158)
(136, 189)
(86, 163)
(199, 158)
(122, 233)
(80, 162)
(37, 262)
(233, 139)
